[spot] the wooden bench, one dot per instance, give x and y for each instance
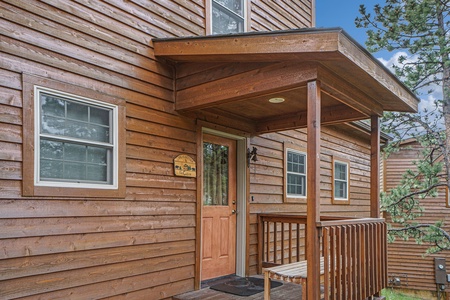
(293, 272)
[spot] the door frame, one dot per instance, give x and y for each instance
(242, 193)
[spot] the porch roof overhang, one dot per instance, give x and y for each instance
(236, 75)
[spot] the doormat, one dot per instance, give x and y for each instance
(247, 286)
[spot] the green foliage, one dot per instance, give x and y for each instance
(421, 30)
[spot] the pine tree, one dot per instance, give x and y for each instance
(421, 28)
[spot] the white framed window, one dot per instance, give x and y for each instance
(76, 141)
(295, 173)
(341, 180)
(228, 16)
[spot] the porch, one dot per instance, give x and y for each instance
(321, 78)
(353, 250)
(287, 291)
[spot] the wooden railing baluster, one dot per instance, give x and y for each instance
(354, 251)
(282, 243)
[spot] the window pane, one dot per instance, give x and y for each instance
(96, 173)
(52, 125)
(215, 174)
(99, 133)
(99, 116)
(340, 171)
(296, 162)
(65, 118)
(296, 174)
(74, 152)
(235, 6)
(296, 185)
(74, 171)
(50, 169)
(225, 22)
(97, 155)
(85, 131)
(340, 189)
(51, 150)
(77, 111)
(52, 106)
(80, 160)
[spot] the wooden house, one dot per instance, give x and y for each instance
(141, 138)
(410, 268)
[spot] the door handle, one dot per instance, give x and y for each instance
(233, 211)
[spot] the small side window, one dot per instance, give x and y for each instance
(295, 173)
(341, 181)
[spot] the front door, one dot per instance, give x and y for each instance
(219, 207)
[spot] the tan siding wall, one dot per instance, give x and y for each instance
(267, 175)
(406, 257)
(142, 246)
(280, 14)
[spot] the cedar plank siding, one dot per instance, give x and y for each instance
(138, 247)
(266, 177)
(405, 256)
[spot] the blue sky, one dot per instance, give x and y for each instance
(342, 13)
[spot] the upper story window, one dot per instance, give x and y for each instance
(228, 16)
(295, 173)
(340, 180)
(76, 141)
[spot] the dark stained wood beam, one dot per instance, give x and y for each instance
(271, 46)
(270, 79)
(375, 167)
(330, 115)
(313, 191)
(348, 94)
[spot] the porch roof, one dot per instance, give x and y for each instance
(235, 75)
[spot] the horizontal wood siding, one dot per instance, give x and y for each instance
(280, 14)
(141, 246)
(406, 256)
(267, 175)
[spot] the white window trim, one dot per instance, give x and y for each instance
(115, 140)
(347, 164)
(245, 16)
(286, 174)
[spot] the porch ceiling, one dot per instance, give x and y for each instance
(236, 75)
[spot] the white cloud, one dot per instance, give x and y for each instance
(427, 100)
(393, 60)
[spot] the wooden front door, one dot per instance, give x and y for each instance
(219, 207)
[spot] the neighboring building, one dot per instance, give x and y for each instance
(109, 118)
(408, 261)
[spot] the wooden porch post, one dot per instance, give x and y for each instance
(313, 191)
(375, 167)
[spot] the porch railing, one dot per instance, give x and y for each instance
(354, 251)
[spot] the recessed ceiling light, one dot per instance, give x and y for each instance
(276, 100)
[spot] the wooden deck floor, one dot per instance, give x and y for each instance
(288, 291)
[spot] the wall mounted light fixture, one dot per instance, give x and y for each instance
(252, 155)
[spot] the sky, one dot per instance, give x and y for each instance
(342, 13)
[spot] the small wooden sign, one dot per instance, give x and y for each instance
(185, 166)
